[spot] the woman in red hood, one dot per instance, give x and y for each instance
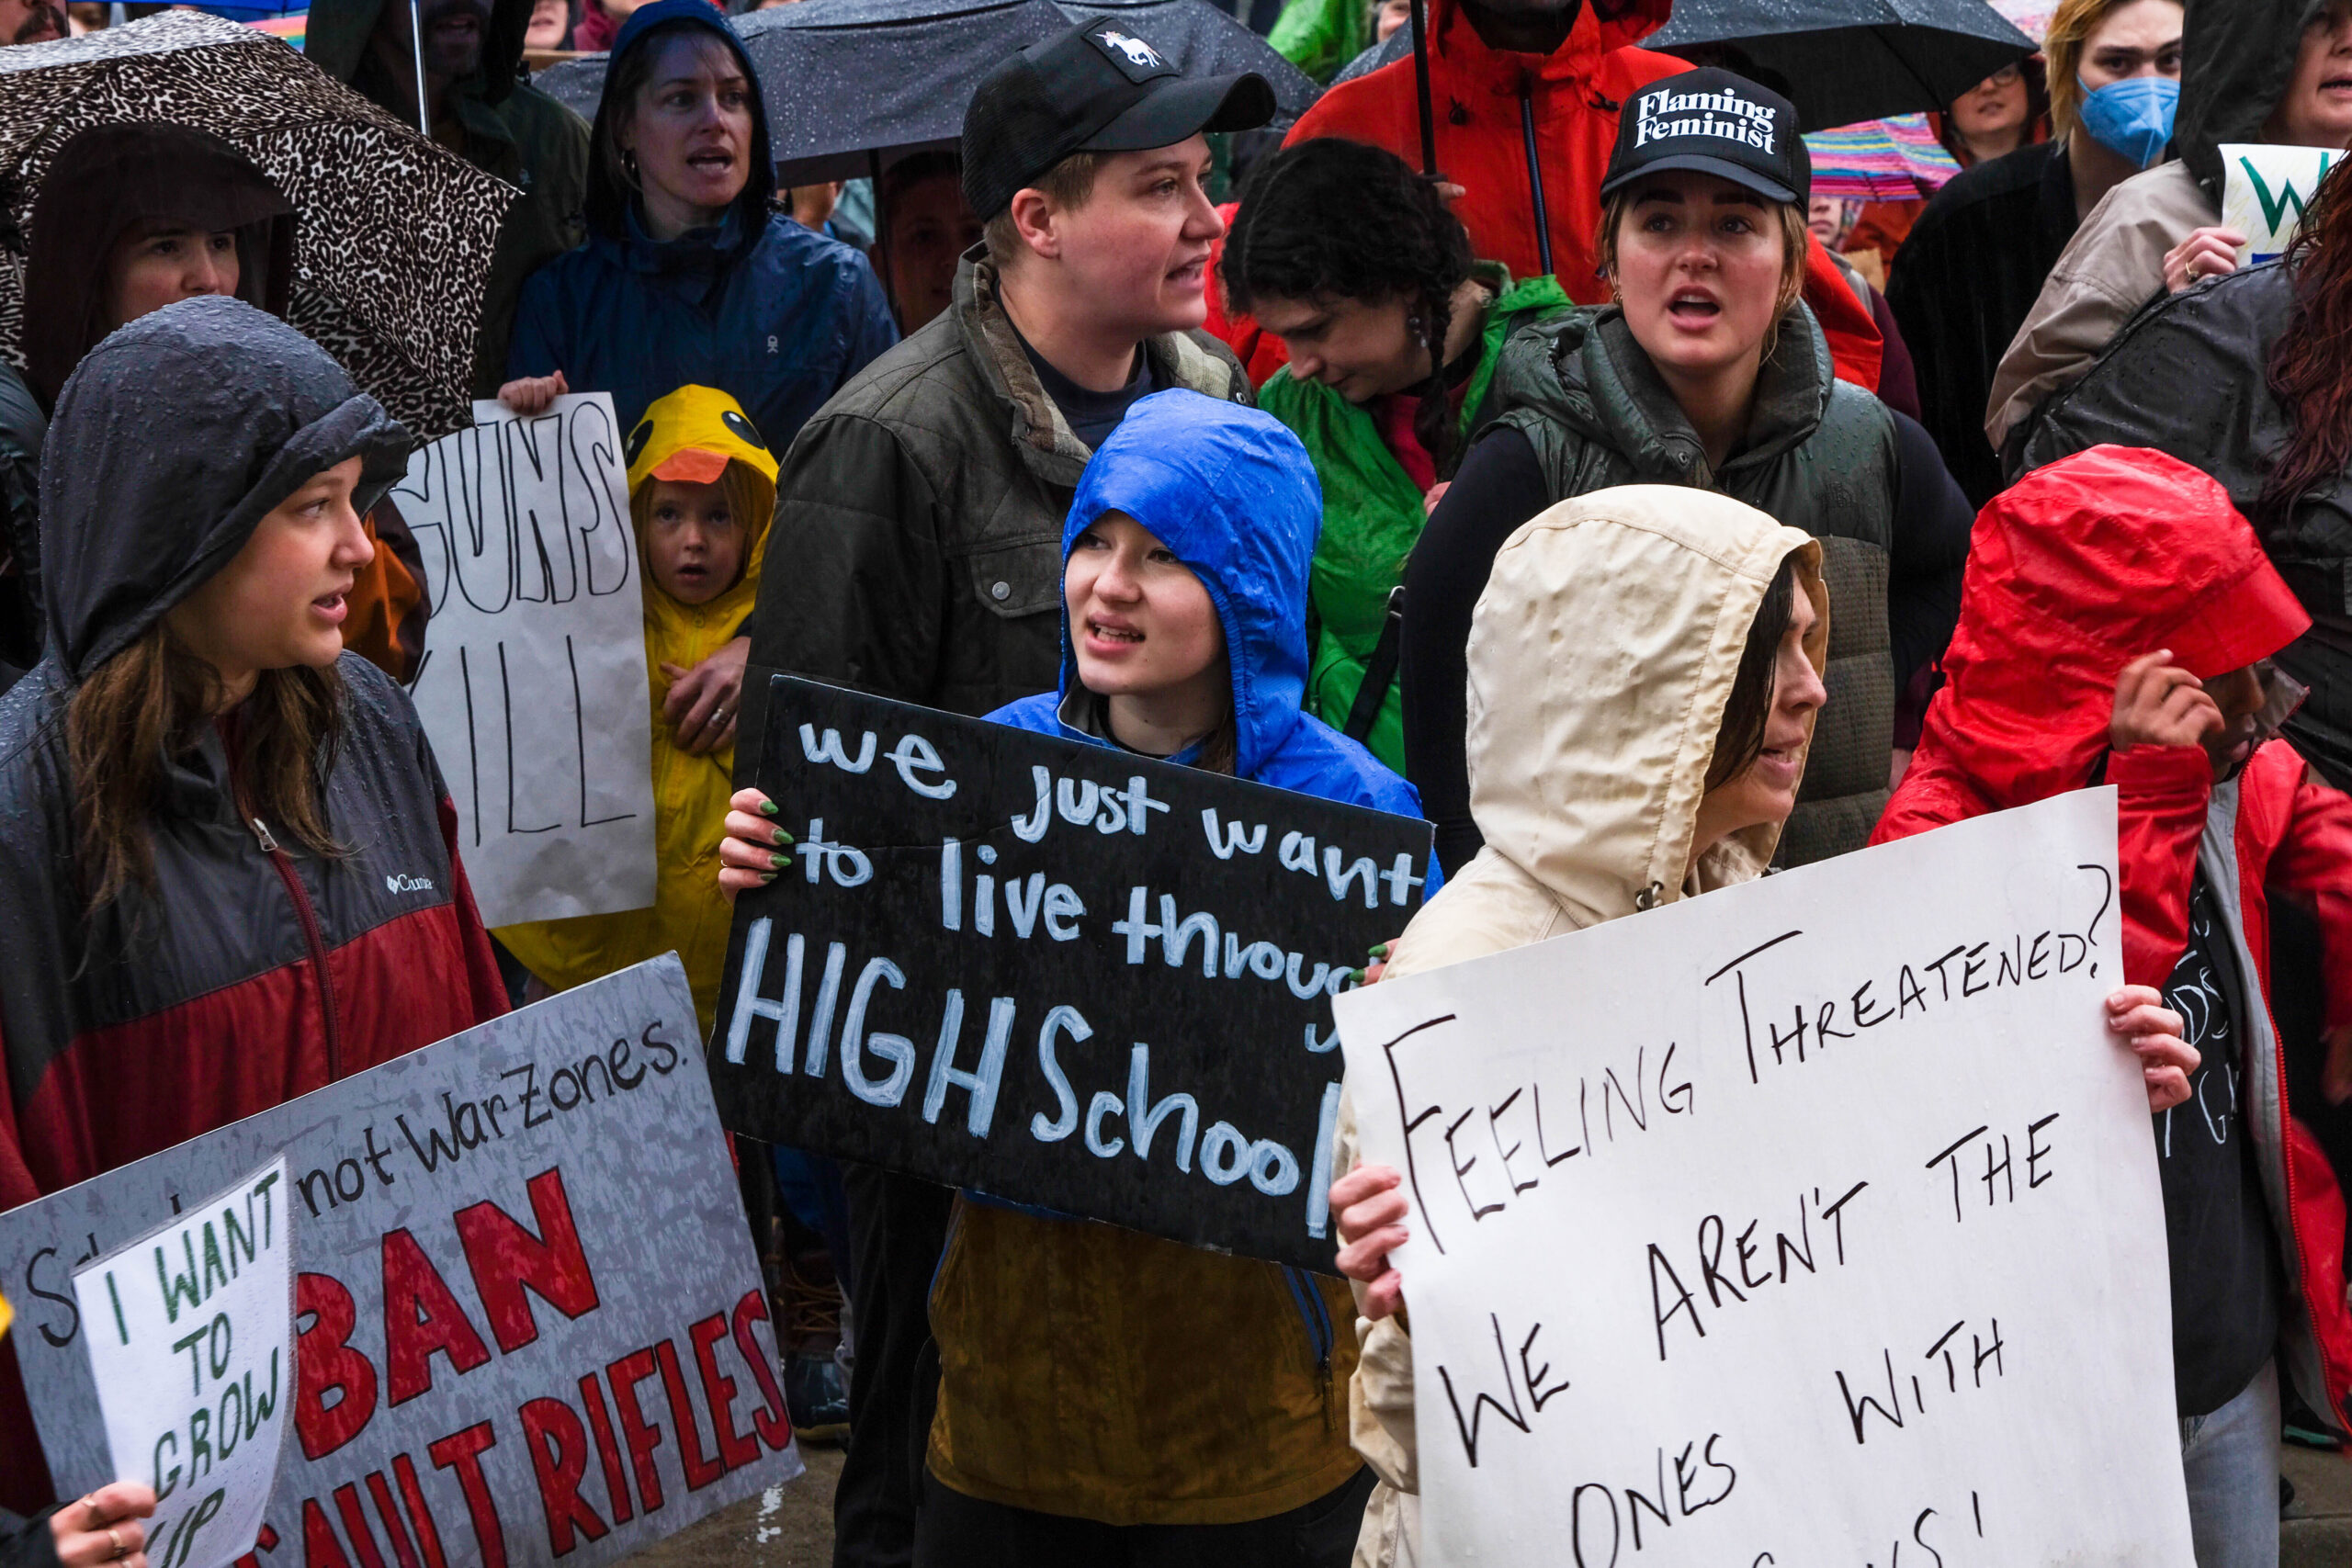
(2116, 627)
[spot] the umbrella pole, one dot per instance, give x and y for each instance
(1421, 87)
(882, 231)
(1535, 181)
(416, 40)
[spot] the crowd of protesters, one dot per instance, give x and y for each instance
(1710, 528)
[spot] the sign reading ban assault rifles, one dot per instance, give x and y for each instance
(529, 1323)
(1058, 973)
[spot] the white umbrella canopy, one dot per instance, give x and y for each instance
(393, 234)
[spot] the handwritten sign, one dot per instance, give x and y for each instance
(2265, 190)
(532, 684)
(1061, 973)
(1812, 1221)
(529, 1323)
(191, 1346)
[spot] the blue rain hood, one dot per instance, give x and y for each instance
(609, 202)
(1232, 493)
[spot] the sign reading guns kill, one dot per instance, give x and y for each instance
(530, 1325)
(1815, 1221)
(1058, 973)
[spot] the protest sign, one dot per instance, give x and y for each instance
(529, 1323)
(1064, 975)
(190, 1346)
(532, 684)
(1811, 1221)
(2264, 192)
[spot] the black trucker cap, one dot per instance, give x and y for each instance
(1097, 88)
(1718, 123)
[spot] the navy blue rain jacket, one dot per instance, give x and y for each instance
(1232, 493)
(775, 315)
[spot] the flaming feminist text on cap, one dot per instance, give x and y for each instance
(1716, 123)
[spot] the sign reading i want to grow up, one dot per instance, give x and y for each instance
(1815, 1221)
(528, 1324)
(1060, 974)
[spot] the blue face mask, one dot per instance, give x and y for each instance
(2132, 119)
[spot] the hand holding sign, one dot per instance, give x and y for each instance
(104, 1526)
(191, 1344)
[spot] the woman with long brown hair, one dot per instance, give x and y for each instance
(230, 874)
(2249, 378)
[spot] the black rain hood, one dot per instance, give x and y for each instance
(171, 442)
(337, 36)
(2236, 58)
(110, 177)
(609, 200)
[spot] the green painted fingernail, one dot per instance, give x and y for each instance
(1357, 976)
(781, 862)
(767, 808)
(781, 836)
(1379, 950)
(767, 876)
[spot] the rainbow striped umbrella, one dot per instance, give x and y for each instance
(1896, 159)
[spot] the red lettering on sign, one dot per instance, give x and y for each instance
(558, 1446)
(420, 1512)
(774, 1422)
(462, 1451)
(505, 1258)
(600, 1421)
(325, 1363)
(641, 1436)
(736, 1449)
(420, 1315)
(363, 1540)
(701, 1470)
(320, 1547)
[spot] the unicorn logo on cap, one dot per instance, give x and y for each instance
(1139, 53)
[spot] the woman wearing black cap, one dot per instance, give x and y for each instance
(1706, 369)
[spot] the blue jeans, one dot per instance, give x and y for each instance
(2232, 1460)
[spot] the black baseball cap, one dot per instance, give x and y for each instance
(1719, 123)
(1099, 87)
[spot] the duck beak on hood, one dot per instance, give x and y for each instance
(1602, 655)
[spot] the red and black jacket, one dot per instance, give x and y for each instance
(2083, 567)
(249, 973)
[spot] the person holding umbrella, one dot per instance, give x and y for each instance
(913, 552)
(1980, 253)
(478, 107)
(1708, 371)
(2277, 71)
(131, 216)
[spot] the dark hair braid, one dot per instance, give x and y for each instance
(1332, 218)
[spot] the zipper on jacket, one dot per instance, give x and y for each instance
(1316, 1320)
(310, 919)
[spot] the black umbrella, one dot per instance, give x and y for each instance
(1839, 61)
(847, 82)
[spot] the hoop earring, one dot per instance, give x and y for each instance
(629, 163)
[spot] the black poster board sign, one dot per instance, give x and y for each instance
(1058, 973)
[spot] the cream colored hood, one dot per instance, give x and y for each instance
(1601, 657)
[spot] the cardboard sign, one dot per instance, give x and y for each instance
(533, 681)
(2265, 190)
(1061, 973)
(191, 1346)
(1812, 1221)
(529, 1323)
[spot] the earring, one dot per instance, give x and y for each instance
(628, 163)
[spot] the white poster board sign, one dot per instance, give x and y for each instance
(191, 1347)
(2265, 190)
(533, 684)
(1813, 1220)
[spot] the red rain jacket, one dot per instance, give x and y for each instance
(2081, 568)
(1577, 92)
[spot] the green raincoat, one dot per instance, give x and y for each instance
(1372, 513)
